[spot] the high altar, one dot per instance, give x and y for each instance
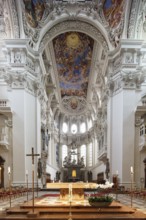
(73, 168)
(77, 189)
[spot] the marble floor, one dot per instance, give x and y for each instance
(50, 197)
(137, 203)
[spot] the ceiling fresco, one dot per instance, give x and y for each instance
(73, 50)
(113, 11)
(73, 53)
(34, 10)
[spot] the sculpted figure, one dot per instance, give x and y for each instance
(39, 168)
(107, 170)
(65, 161)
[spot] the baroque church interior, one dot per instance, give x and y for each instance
(73, 90)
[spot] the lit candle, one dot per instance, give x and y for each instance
(26, 172)
(9, 170)
(131, 169)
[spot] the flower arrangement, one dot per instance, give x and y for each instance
(105, 186)
(101, 200)
(105, 198)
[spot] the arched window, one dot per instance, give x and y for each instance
(64, 127)
(83, 127)
(74, 129)
(90, 124)
(83, 153)
(64, 152)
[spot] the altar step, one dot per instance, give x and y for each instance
(52, 211)
(114, 211)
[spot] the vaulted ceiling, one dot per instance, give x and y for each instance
(78, 55)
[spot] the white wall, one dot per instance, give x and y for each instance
(128, 133)
(17, 99)
(51, 170)
(138, 155)
(3, 91)
(38, 126)
(30, 121)
(98, 169)
(123, 107)
(25, 129)
(117, 134)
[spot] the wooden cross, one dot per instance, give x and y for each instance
(32, 155)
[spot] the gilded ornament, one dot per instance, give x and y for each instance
(73, 40)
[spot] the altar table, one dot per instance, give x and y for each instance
(73, 191)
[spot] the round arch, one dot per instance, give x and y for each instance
(95, 32)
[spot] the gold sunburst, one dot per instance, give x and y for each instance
(73, 40)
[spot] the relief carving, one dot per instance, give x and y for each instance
(133, 14)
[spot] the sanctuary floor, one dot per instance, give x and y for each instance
(50, 206)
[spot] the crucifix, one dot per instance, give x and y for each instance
(32, 155)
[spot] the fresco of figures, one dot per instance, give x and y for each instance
(73, 60)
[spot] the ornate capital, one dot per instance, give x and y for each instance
(126, 80)
(132, 79)
(22, 80)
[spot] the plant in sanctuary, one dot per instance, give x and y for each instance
(103, 199)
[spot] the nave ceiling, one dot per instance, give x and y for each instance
(77, 57)
(73, 42)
